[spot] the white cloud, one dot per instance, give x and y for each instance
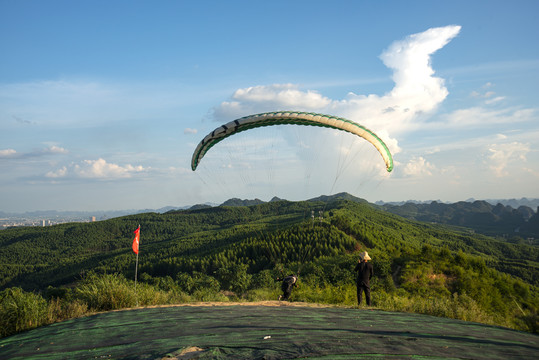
(51, 150)
(60, 173)
(55, 150)
(95, 169)
(502, 155)
(489, 96)
(101, 169)
(494, 100)
(413, 74)
(418, 167)
(6, 153)
(480, 117)
(274, 97)
(416, 92)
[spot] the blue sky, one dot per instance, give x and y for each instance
(102, 103)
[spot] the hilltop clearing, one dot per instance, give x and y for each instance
(270, 330)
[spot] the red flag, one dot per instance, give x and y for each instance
(136, 240)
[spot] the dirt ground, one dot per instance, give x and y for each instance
(253, 303)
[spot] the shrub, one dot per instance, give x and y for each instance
(204, 294)
(20, 310)
(106, 292)
(185, 282)
(529, 321)
(205, 283)
(263, 279)
(148, 295)
(62, 309)
(263, 294)
(113, 291)
(235, 278)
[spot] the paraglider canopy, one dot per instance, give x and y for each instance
(293, 118)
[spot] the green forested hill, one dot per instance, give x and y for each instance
(242, 248)
(260, 236)
(35, 257)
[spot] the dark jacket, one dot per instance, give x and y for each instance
(364, 273)
(289, 282)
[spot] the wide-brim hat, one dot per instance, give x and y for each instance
(364, 256)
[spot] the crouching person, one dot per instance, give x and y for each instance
(288, 283)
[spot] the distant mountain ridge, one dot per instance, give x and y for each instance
(505, 218)
(481, 216)
(239, 202)
(508, 218)
(515, 203)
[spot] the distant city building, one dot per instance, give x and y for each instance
(92, 218)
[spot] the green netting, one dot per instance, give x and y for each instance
(267, 332)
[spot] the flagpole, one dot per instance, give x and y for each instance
(136, 267)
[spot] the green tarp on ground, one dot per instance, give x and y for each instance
(267, 332)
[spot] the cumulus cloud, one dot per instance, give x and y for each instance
(270, 98)
(7, 153)
(502, 155)
(101, 169)
(416, 92)
(95, 169)
(418, 167)
(412, 71)
(59, 173)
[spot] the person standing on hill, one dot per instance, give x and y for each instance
(364, 275)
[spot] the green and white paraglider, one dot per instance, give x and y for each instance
(292, 118)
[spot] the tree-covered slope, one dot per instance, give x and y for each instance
(261, 236)
(422, 267)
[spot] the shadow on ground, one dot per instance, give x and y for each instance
(267, 332)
